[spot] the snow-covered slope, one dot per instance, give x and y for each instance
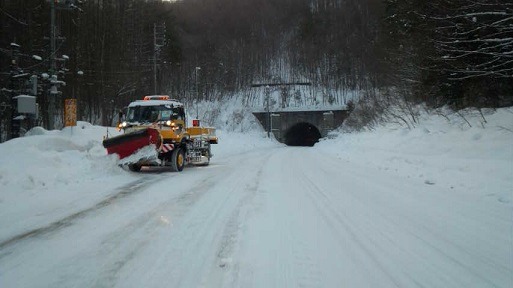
(472, 155)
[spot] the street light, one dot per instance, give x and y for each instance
(197, 92)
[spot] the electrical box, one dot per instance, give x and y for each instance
(26, 104)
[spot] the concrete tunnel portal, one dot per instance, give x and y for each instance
(301, 128)
(302, 134)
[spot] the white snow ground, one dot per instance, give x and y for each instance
(428, 207)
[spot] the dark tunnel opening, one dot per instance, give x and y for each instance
(302, 134)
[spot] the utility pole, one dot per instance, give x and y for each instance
(268, 109)
(159, 40)
(3, 108)
(155, 58)
(54, 81)
(51, 104)
(197, 92)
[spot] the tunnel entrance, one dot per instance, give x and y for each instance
(302, 134)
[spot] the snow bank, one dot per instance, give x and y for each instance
(47, 174)
(472, 155)
(46, 158)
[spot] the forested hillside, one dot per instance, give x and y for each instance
(440, 52)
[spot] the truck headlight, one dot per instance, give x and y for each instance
(122, 125)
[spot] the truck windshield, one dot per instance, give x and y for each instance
(145, 114)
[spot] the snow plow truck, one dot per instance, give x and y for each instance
(156, 134)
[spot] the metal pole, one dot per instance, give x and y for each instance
(155, 58)
(197, 93)
(51, 104)
(267, 97)
(1, 119)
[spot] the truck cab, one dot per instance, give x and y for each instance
(165, 119)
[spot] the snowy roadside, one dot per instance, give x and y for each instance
(474, 159)
(50, 175)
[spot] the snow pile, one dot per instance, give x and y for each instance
(471, 155)
(49, 173)
(148, 152)
(47, 158)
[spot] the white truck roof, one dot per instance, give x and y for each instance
(156, 100)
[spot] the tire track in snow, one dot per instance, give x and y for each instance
(123, 191)
(232, 228)
(403, 244)
(281, 230)
(196, 249)
(301, 255)
(225, 269)
(124, 244)
(333, 216)
(366, 226)
(243, 186)
(100, 260)
(310, 276)
(412, 223)
(349, 234)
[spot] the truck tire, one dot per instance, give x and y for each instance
(177, 160)
(134, 167)
(207, 154)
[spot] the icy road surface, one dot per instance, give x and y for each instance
(279, 217)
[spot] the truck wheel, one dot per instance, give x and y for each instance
(177, 160)
(134, 167)
(208, 155)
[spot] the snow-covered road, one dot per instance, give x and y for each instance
(275, 217)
